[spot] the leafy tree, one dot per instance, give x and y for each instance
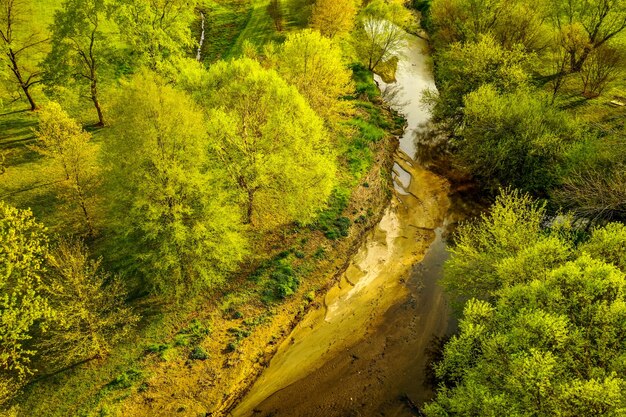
(170, 203)
(512, 224)
(334, 17)
(594, 23)
(90, 311)
(510, 22)
(515, 139)
(158, 32)
(380, 33)
(608, 243)
(20, 46)
(315, 66)
(80, 47)
(274, 147)
(549, 341)
(463, 68)
(23, 247)
(61, 138)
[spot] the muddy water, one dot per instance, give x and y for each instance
(363, 352)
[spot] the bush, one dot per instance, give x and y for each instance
(199, 354)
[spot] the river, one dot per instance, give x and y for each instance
(364, 353)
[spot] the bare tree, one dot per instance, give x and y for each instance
(20, 46)
(602, 67)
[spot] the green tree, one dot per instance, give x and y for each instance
(515, 139)
(334, 17)
(274, 147)
(463, 68)
(594, 23)
(89, 304)
(315, 66)
(23, 247)
(549, 339)
(61, 138)
(510, 22)
(158, 32)
(170, 203)
(380, 33)
(20, 46)
(80, 48)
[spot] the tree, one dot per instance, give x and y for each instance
(80, 47)
(463, 68)
(602, 66)
(274, 9)
(515, 139)
(334, 17)
(547, 341)
(597, 22)
(509, 22)
(20, 46)
(23, 247)
(380, 35)
(274, 147)
(90, 310)
(61, 138)
(169, 201)
(315, 66)
(158, 32)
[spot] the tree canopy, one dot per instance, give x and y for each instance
(273, 146)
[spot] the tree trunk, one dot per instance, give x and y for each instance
(96, 102)
(25, 86)
(33, 105)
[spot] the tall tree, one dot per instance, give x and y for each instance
(548, 341)
(80, 47)
(334, 17)
(158, 32)
(315, 66)
(380, 32)
(23, 247)
(90, 310)
(61, 138)
(170, 203)
(20, 46)
(273, 145)
(598, 21)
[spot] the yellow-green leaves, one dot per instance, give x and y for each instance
(61, 138)
(23, 246)
(91, 312)
(171, 209)
(314, 65)
(271, 143)
(334, 17)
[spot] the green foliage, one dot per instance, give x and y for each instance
(275, 149)
(463, 68)
(512, 224)
(89, 305)
(81, 49)
(550, 341)
(157, 32)
(199, 354)
(23, 247)
(61, 138)
(609, 244)
(515, 139)
(170, 201)
(364, 80)
(192, 334)
(331, 221)
(314, 64)
(334, 17)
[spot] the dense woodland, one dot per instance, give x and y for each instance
(164, 159)
(531, 97)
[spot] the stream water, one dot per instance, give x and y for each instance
(365, 352)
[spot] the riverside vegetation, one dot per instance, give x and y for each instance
(165, 219)
(161, 207)
(531, 98)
